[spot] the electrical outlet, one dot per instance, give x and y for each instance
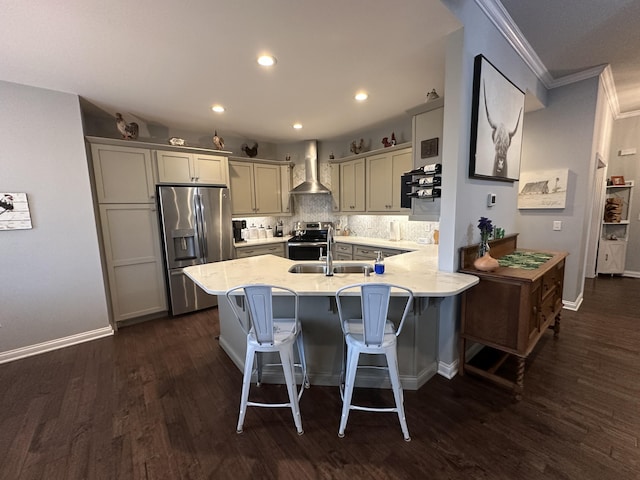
(557, 225)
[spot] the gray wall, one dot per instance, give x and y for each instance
(99, 123)
(560, 136)
(626, 134)
(464, 199)
(52, 283)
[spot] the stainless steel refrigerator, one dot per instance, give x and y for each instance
(196, 228)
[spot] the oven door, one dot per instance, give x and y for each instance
(306, 250)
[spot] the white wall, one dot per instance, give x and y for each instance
(626, 134)
(52, 285)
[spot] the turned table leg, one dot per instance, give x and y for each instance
(556, 327)
(519, 388)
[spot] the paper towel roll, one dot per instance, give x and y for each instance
(394, 231)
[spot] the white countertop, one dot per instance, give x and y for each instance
(417, 270)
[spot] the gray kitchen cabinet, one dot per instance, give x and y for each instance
(364, 252)
(123, 174)
(343, 251)
(249, 250)
(384, 176)
(352, 186)
(256, 188)
(199, 168)
(335, 187)
(132, 257)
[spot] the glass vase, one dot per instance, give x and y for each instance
(483, 248)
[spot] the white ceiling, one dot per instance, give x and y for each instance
(167, 62)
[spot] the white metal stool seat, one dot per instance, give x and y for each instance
(375, 334)
(268, 334)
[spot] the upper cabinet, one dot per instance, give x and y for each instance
(335, 187)
(372, 181)
(259, 187)
(352, 185)
(123, 174)
(384, 177)
(182, 167)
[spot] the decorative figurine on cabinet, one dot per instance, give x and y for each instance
(250, 151)
(218, 141)
(129, 131)
(357, 148)
(387, 143)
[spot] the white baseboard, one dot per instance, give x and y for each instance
(448, 370)
(39, 348)
(629, 273)
(573, 306)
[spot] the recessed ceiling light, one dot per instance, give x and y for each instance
(267, 60)
(218, 108)
(361, 96)
(297, 126)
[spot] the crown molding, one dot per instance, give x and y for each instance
(610, 91)
(498, 15)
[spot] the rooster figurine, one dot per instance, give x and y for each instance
(357, 148)
(387, 143)
(250, 151)
(218, 141)
(129, 131)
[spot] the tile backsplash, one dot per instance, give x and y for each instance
(312, 208)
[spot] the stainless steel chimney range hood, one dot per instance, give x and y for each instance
(311, 185)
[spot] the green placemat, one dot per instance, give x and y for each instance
(524, 260)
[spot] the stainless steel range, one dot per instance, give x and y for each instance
(309, 241)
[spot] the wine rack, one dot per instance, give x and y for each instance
(424, 182)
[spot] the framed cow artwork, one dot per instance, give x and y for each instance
(496, 124)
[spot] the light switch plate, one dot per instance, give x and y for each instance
(557, 225)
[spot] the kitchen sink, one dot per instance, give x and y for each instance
(337, 268)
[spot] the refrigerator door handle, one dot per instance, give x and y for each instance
(202, 242)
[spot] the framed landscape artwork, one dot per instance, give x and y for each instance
(496, 124)
(543, 189)
(14, 211)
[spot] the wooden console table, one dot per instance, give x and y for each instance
(510, 308)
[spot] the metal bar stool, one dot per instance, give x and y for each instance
(375, 334)
(268, 334)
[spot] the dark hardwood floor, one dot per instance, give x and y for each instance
(159, 400)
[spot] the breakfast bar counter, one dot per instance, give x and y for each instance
(417, 344)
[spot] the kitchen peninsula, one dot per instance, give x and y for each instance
(417, 344)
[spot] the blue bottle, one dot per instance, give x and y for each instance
(379, 264)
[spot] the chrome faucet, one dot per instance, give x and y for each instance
(328, 269)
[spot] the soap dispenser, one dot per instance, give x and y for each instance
(379, 263)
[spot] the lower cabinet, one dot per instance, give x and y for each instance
(133, 258)
(612, 255)
(277, 249)
(343, 251)
(370, 253)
